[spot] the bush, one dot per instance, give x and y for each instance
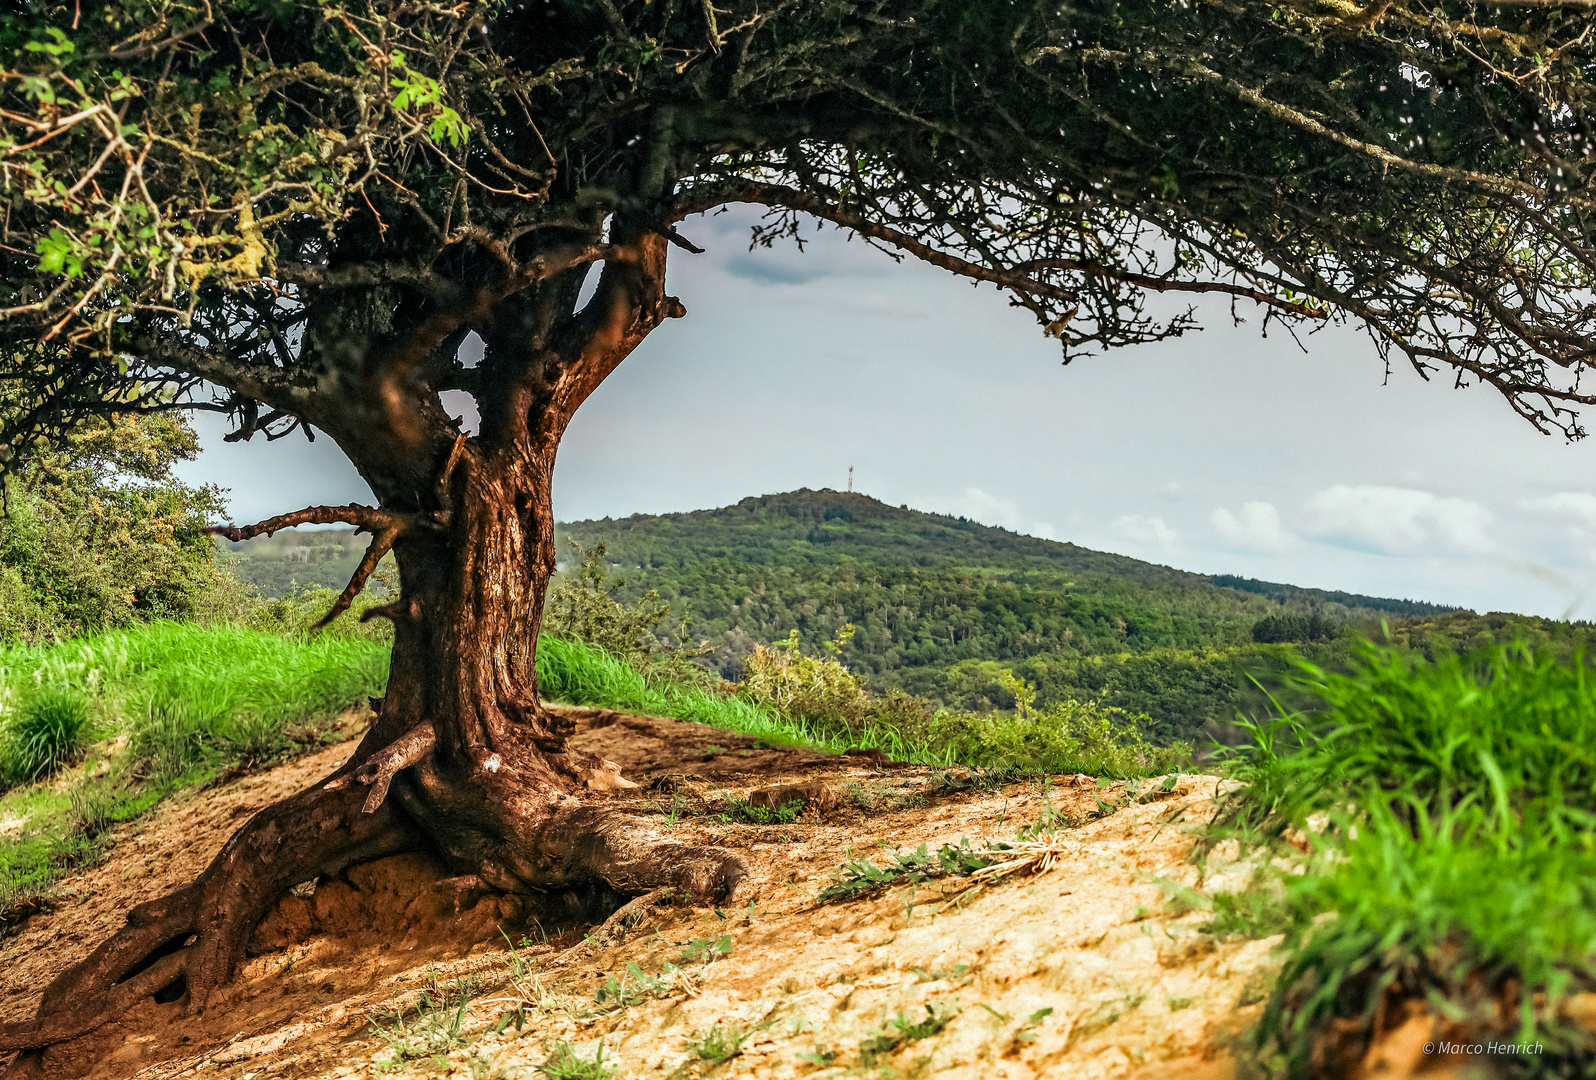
(49, 730)
(581, 604)
(1067, 736)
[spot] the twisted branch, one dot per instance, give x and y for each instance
(380, 768)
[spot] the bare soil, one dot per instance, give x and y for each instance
(1084, 969)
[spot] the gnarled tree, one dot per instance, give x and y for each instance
(293, 213)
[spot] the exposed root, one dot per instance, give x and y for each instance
(180, 948)
(629, 915)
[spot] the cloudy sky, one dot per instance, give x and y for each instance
(1221, 452)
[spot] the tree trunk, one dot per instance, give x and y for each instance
(478, 770)
(462, 758)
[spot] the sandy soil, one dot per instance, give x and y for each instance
(1084, 969)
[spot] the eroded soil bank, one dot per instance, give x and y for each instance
(1091, 967)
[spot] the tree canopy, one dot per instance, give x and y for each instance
(208, 191)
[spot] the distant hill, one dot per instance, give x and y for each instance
(940, 605)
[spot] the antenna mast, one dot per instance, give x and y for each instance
(850, 477)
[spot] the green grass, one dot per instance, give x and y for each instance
(1450, 806)
(179, 702)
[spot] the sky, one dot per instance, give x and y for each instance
(1224, 451)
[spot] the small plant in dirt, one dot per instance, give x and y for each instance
(740, 810)
(432, 1028)
(720, 1043)
(1033, 850)
(902, 1029)
(706, 950)
(820, 1055)
(564, 1063)
(1026, 1032)
(633, 987)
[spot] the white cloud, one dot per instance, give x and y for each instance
(1575, 504)
(1397, 521)
(1044, 530)
(1257, 527)
(1145, 530)
(977, 505)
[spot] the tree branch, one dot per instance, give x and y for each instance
(381, 544)
(1015, 278)
(363, 517)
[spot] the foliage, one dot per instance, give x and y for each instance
(948, 610)
(900, 1029)
(1033, 847)
(186, 175)
(1448, 805)
(189, 700)
(102, 533)
(566, 1064)
(720, 1043)
(1073, 737)
(581, 604)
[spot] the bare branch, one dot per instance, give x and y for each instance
(364, 517)
(381, 543)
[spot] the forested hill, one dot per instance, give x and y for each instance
(832, 528)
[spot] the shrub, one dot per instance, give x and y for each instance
(1067, 736)
(582, 604)
(806, 688)
(49, 730)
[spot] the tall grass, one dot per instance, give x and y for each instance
(1450, 807)
(167, 705)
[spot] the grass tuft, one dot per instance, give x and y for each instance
(50, 730)
(1447, 807)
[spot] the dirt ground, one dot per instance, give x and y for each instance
(1091, 967)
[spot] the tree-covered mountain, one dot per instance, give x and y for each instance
(929, 589)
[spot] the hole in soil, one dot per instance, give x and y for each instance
(159, 953)
(586, 904)
(172, 991)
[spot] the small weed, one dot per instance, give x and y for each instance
(634, 987)
(565, 1064)
(820, 1055)
(1176, 1004)
(431, 1032)
(1026, 1032)
(703, 949)
(720, 1044)
(740, 810)
(958, 972)
(900, 1029)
